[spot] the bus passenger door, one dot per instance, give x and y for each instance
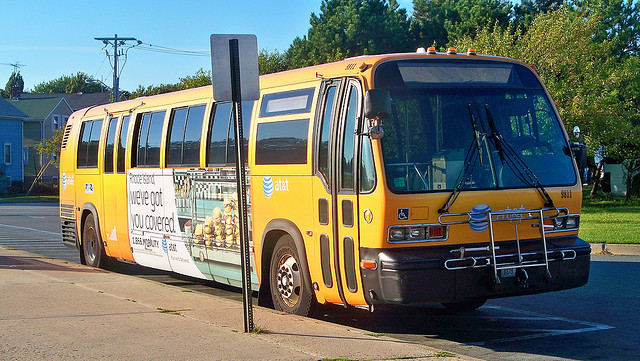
(114, 225)
(334, 192)
(346, 165)
(323, 266)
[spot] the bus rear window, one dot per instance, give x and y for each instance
(282, 142)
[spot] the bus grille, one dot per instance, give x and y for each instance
(69, 234)
(66, 211)
(65, 138)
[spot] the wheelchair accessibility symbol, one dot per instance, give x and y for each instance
(403, 214)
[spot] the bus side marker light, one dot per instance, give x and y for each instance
(367, 215)
(451, 51)
(309, 233)
(431, 50)
(471, 51)
(372, 265)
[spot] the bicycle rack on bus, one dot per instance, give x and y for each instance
(517, 261)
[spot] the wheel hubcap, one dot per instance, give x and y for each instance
(90, 237)
(288, 280)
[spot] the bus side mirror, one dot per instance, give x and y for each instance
(377, 106)
(580, 152)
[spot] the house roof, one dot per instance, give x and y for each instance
(7, 110)
(37, 109)
(76, 101)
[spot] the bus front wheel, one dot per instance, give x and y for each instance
(289, 290)
(92, 248)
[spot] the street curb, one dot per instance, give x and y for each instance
(615, 249)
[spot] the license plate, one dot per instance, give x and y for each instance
(509, 272)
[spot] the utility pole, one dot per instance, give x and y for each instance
(115, 42)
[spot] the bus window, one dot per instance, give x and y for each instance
(325, 130)
(88, 147)
(285, 103)
(109, 148)
(149, 135)
(222, 134)
(282, 142)
(122, 143)
(348, 137)
(176, 136)
(85, 133)
(367, 170)
(184, 136)
(192, 133)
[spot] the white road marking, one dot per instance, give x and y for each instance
(29, 229)
(584, 326)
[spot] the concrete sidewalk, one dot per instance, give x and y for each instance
(56, 310)
(615, 249)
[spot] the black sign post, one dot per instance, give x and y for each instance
(242, 186)
(230, 88)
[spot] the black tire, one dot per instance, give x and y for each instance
(289, 290)
(465, 306)
(92, 249)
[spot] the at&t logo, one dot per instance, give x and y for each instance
(270, 185)
(478, 217)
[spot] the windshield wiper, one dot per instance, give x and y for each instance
(511, 158)
(479, 139)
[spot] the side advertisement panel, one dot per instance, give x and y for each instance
(186, 221)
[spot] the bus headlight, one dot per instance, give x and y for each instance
(396, 234)
(562, 223)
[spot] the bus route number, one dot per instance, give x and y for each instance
(565, 193)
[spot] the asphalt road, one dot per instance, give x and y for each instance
(600, 321)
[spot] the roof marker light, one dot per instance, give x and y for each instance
(431, 50)
(421, 50)
(451, 51)
(471, 51)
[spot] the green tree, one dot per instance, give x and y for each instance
(527, 10)
(15, 85)
(439, 22)
(69, 84)
(346, 28)
(619, 23)
(51, 145)
(271, 62)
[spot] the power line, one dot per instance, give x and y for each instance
(172, 51)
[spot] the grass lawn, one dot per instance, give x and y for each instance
(609, 219)
(28, 199)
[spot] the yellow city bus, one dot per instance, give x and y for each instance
(406, 179)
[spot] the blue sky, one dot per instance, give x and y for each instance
(55, 38)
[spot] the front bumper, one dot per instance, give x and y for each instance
(418, 276)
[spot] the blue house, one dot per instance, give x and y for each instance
(11, 135)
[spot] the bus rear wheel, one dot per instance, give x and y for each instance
(289, 290)
(92, 248)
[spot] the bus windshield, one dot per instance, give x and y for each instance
(439, 134)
